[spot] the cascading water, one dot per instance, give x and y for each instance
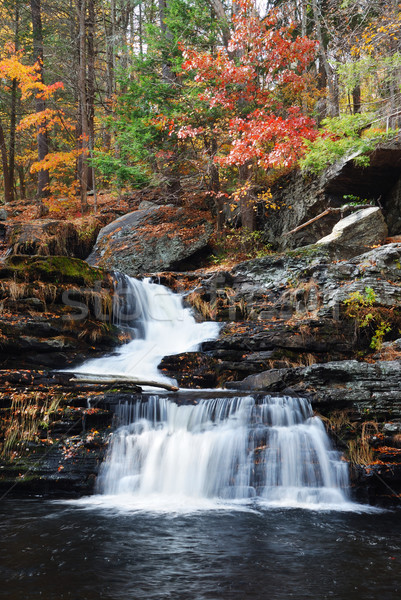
(160, 326)
(219, 450)
(269, 449)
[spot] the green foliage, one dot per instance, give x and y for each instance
(360, 307)
(119, 171)
(353, 200)
(146, 150)
(379, 334)
(343, 136)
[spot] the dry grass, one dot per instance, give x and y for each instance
(13, 290)
(338, 421)
(206, 309)
(28, 416)
(359, 450)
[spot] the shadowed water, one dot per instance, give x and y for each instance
(56, 552)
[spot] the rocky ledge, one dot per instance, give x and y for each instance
(55, 311)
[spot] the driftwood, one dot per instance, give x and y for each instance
(323, 214)
(124, 380)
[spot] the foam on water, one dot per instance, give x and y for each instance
(160, 325)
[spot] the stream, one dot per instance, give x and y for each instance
(58, 550)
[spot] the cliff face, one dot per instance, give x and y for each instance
(55, 310)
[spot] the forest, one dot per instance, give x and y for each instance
(204, 101)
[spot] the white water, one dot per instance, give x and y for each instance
(224, 450)
(161, 326)
(212, 453)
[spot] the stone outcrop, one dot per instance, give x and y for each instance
(46, 237)
(153, 239)
(303, 197)
(55, 311)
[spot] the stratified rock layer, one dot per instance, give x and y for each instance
(55, 310)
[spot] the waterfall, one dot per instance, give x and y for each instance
(230, 449)
(219, 450)
(160, 326)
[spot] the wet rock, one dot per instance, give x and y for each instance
(342, 383)
(55, 310)
(153, 239)
(193, 370)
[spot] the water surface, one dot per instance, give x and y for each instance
(58, 551)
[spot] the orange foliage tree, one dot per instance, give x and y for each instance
(60, 164)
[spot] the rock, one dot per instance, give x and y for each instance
(152, 240)
(192, 370)
(145, 204)
(302, 197)
(3, 214)
(374, 386)
(392, 427)
(54, 311)
(52, 237)
(357, 232)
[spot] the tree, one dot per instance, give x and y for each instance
(256, 86)
(42, 137)
(28, 81)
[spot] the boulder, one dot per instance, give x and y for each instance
(3, 214)
(355, 234)
(153, 239)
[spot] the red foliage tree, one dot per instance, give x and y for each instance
(260, 82)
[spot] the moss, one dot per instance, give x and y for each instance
(304, 252)
(58, 269)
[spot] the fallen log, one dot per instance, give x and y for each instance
(328, 211)
(90, 378)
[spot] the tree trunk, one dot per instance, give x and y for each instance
(83, 174)
(90, 96)
(109, 34)
(42, 138)
(247, 204)
(21, 176)
(11, 147)
(174, 180)
(218, 8)
(167, 74)
(356, 99)
(214, 184)
(331, 76)
(8, 191)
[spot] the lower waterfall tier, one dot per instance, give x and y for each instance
(230, 449)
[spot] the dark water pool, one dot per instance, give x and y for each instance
(56, 551)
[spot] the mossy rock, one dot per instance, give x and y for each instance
(57, 269)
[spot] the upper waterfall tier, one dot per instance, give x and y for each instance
(160, 324)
